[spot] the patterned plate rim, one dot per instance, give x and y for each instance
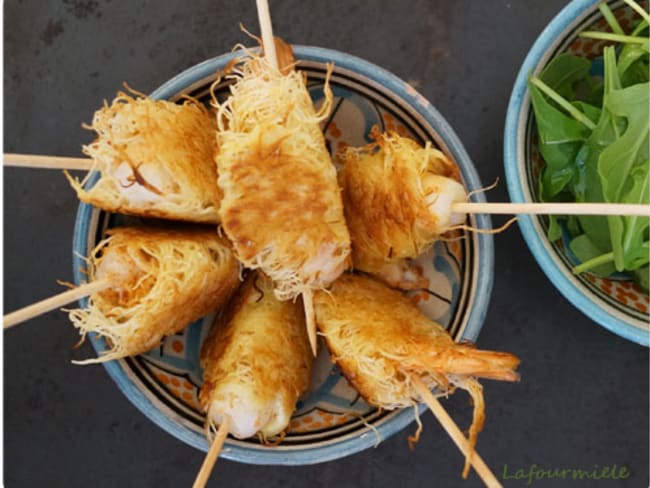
(555, 35)
(482, 266)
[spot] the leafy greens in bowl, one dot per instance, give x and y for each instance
(578, 131)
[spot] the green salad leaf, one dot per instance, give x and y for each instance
(631, 146)
(560, 139)
(564, 72)
(629, 232)
(642, 277)
(589, 185)
(585, 250)
(592, 113)
(633, 60)
(623, 169)
(594, 136)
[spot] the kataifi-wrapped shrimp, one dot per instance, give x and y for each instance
(256, 362)
(161, 281)
(155, 158)
(397, 199)
(379, 339)
(281, 206)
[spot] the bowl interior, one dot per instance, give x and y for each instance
(616, 301)
(331, 419)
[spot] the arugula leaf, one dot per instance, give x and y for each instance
(554, 231)
(631, 63)
(593, 113)
(623, 168)
(638, 72)
(636, 228)
(631, 148)
(642, 277)
(594, 135)
(633, 60)
(585, 250)
(589, 189)
(560, 139)
(573, 225)
(588, 186)
(629, 232)
(563, 72)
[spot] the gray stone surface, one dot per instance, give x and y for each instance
(583, 398)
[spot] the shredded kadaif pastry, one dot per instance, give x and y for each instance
(162, 280)
(256, 362)
(397, 198)
(281, 206)
(155, 158)
(379, 339)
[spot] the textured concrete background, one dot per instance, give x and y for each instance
(583, 398)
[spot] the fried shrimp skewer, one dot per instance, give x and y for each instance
(397, 200)
(161, 281)
(380, 339)
(256, 362)
(281, 204)
(155, 158)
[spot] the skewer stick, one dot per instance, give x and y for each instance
(307, 300)
(268, 42)
(552, 208)
(507, 208)
(56, 301)
(267, 32)
(46, 162)
(454, 432)
(213, 454)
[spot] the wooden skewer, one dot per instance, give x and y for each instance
(307, 300)
(56, 301)
(552, 208)
(213, 454)
(506, 208)
(46, 162)
(454, 432)
(267, 32)
(270, 54)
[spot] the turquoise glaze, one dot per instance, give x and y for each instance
(555, 262)
(462, 275)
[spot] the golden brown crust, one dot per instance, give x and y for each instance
(282, 206)
(165, 280)
(378, 337)
(259, 345)
(385, 202)
(156, 160)
(278, 199)
(380, 340)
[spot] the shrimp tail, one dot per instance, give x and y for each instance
(465, 360)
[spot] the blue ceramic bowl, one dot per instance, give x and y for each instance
(331, 420)
(614, 302)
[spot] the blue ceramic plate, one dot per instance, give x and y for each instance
(614, 302)
(331, 420)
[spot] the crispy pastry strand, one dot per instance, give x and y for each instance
(155, 158)
(163, 281)
(379, 338)
(256, 362)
